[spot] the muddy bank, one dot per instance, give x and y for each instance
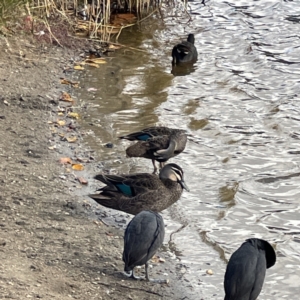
(51, 247)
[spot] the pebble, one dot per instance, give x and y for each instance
(209, 272)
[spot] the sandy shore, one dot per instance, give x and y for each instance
(51, 247)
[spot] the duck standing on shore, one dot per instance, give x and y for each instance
(157, 143)
(133, 193)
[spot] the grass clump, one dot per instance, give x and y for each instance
(10, 9)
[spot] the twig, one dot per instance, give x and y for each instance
(139, 21)
(48, 27)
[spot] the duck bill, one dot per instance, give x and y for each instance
(184, 186)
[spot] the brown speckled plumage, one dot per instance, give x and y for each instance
(133, 193)
(156, 143)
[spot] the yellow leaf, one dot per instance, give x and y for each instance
(97, 60)
(61, 122)
(72, 139)
(92, 65)
(65, 160)
(111, 46)
(77, 167)
(60, 114)
(73, 115)
(78, 68)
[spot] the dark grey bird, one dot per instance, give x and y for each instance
(133, 193)
(157, 143)
(246, 269)
(185, 52)
(143, 236)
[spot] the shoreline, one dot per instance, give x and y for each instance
(50, 246)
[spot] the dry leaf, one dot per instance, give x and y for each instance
(92, 65)
(61, 122)
(77, 167)
(66, 97)
(78, 68)
(66, 81)
(111, 46)
(72, 139)
(65, 160)
(73, 115)
(82, 180)
(60, 114)
(97, 60)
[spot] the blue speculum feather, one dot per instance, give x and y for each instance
(125, 189)
(144, 137)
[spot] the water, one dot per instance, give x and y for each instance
(240, 104)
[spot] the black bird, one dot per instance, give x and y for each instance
(143, 236)
(246, 269)
(157, 143)
(185, 52)
(133, 193)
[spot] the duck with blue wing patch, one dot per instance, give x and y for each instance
(156, 143)
(133, 193)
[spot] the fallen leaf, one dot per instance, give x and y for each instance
(78, 68)
(72, 139)
(92, 65)
(111, 46)
(60, 114)
(82, 180)
(66, 97)
(77, 167)
(68, 82)
(65, 160)
(73, 115)
(52, 147)
(61, 122)
(97, 60)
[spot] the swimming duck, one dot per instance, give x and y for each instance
(157, 143)
(133, 193)
(185, 51)
(246, 269)
(143, 236)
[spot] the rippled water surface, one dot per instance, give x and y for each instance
(240, 105)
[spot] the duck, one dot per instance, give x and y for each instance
(246, 269)
(132, 193)
(157, 143)
(185, 52)
(144, 235)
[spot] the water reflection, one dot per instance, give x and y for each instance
(183, 69)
